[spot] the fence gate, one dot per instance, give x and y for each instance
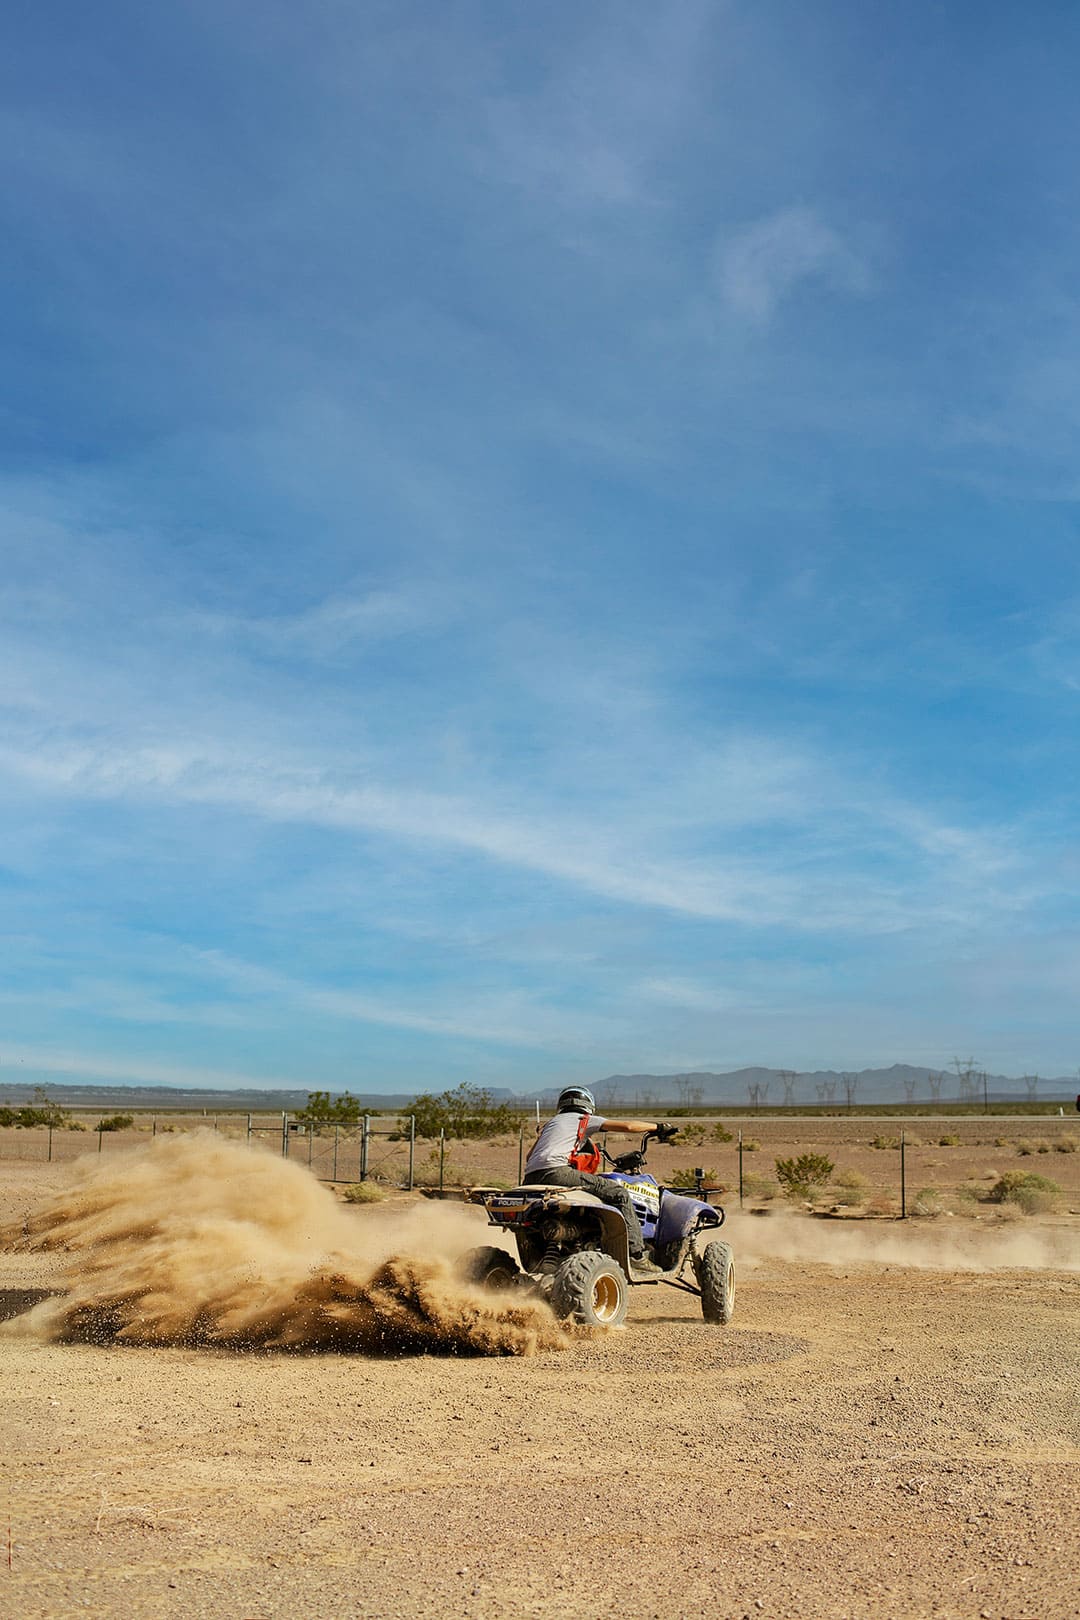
(360, 1152)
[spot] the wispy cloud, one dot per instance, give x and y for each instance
(761, 265)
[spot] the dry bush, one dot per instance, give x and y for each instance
(363, 1192)
(950, 1139)
(1066, 1144)
(1042, 1146)
(751, 1144)
(885, 1142)
(927, 1202)
(850, 1188)
(1024, 1147)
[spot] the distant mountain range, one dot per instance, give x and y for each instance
(749, 1087)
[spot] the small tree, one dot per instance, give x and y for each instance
(322, 1109)
(42, 1111)
(463, 1112)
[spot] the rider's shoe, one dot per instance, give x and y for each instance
(642, 1266)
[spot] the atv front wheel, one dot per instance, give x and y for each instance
(488, 1267)
(715, 1268)
(592, 1289)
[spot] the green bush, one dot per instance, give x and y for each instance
(751, 1144)
(927, 1202)
(949, 1140)
(686, 1181)
(467, 1111)
(1024, 1147)
(7, 1116)
(1035, 1195)
(885, 1142)
(720, 1132)
(116, 1122)
(800, 1176)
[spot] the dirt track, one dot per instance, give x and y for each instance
(866, 1439)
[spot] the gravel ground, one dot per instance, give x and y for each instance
(868, 1438)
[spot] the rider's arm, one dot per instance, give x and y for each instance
(635, 1127)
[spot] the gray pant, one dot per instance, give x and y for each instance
(609, 1192)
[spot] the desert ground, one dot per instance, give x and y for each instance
(889, 1427)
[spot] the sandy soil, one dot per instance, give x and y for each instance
(885, 1430)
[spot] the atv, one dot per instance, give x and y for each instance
(573, 1249)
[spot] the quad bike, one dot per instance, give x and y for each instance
(574, 1250)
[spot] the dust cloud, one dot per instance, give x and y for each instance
(917, 1244)
(199, 1241)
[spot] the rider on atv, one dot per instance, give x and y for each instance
(564, 1155)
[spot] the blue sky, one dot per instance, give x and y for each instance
(537, 541)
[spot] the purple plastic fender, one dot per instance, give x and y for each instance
(679, 1215)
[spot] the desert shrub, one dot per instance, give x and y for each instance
(851, 1188)
(7, 1116)
(363, 1192)
(686, 1180)
(1002, 1142)
(1034, 1194)
(720, 1132)
(1024, 1147)
(1042, 1147)
(466, 1111)
(967, 1194)
(322, 1109)
(751, 1144)
(1066, 1144)
(799, 1176)
(116, 1122)
(42, 1111)
(760, 1187)
(885, 1142)
(950, 1139)
(691, 1135)
(927, 1202)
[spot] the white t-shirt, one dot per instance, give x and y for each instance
(554, 1145)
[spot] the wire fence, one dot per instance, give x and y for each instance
(868, 1166)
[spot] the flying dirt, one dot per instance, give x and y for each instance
(199, 1241)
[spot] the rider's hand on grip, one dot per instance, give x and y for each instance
(666, 1133)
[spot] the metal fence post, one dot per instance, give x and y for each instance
(364, 1149)
(442, 1155)
(248, 1127)
(50, 1144)
(521, 1151)
(99, 1136)
(412, 1147)
(310, 1143)
(903, 1177)
(337, 1128)
(740, 1169)
(284, 1135)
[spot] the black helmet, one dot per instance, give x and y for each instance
(576, 1100)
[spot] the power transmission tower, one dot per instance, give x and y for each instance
(909, 1090)
(966, 1078)
(759, 1091)
(934, 1082)
(789, 1077)
(1032, 1083)
(851, 1086)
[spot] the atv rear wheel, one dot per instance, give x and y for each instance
(488, 1267)
(592, 1289)
(715, 1268)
